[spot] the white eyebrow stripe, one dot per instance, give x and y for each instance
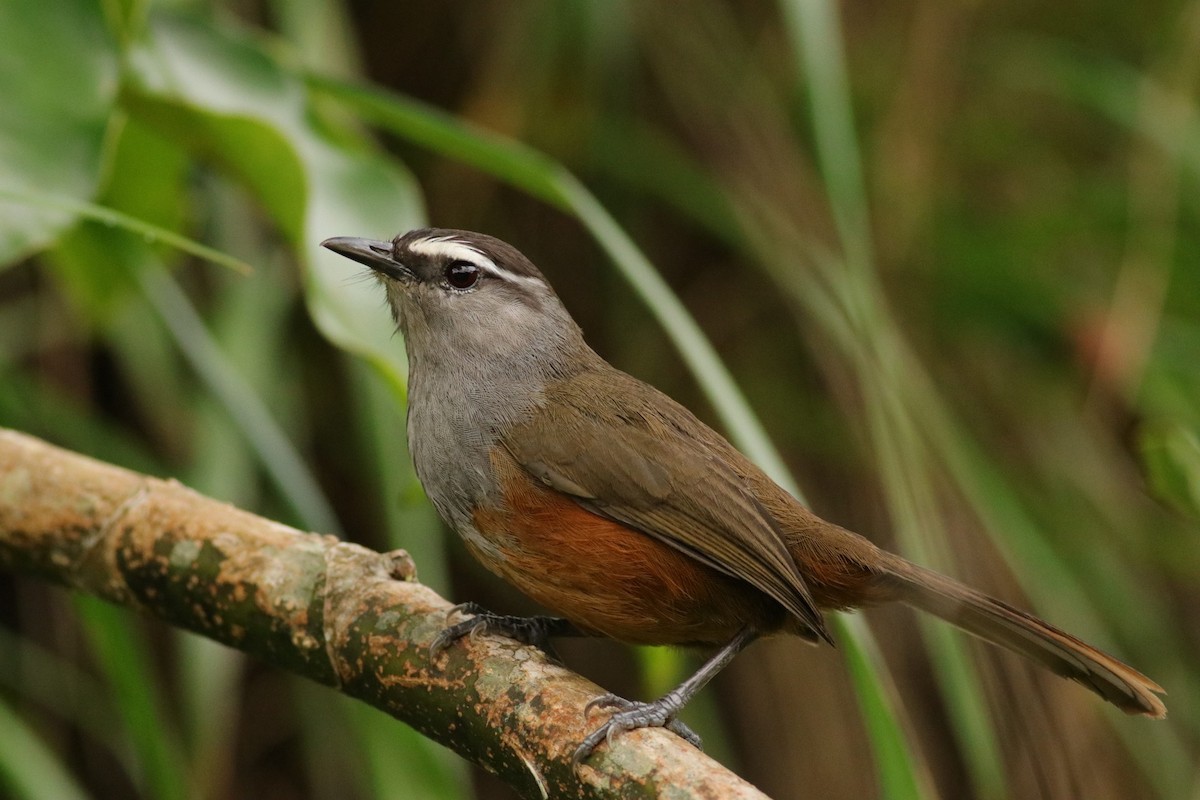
(457, 250)
(527, 280)
(451, 249)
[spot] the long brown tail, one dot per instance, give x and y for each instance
(1001, 624)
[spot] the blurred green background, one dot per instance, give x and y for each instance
(936, 259)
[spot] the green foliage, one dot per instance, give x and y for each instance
(52, 142)
(1172, 456)
(28, 768)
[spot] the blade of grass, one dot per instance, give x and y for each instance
(817, 44)
(1050, 581)
(121, 221)
(28, 767)
(816, 34)
(397, 758)
(901, 772)
(279, 457)
(46, 679)
(248, 319)
(914, 510)
(123, 657)
(324, 743)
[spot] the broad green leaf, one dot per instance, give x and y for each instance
(56, 114)
(221, 96)
(147, 183)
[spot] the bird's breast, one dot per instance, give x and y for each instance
(606, 577)
(454, 421)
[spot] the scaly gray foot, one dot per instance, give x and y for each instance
(631, 715)
(535, 631)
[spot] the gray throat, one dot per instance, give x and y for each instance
(460, 404)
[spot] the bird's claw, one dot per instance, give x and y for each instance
(450, 635)
(534, 631)
(630, 715)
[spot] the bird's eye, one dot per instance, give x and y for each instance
(462, 274)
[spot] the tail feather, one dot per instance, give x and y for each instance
(1000, 623)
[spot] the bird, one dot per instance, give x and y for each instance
(617, 509)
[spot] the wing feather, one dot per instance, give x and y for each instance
(653, 466)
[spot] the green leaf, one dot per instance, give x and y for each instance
(125, 659)
(146, 185)
(55, 119)
(219, 95)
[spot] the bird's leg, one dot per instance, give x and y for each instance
(631, 715)
(535, 631)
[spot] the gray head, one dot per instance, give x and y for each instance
(463, 295)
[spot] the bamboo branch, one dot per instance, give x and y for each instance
(331, 611)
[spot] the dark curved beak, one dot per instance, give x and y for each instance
(374, 254)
